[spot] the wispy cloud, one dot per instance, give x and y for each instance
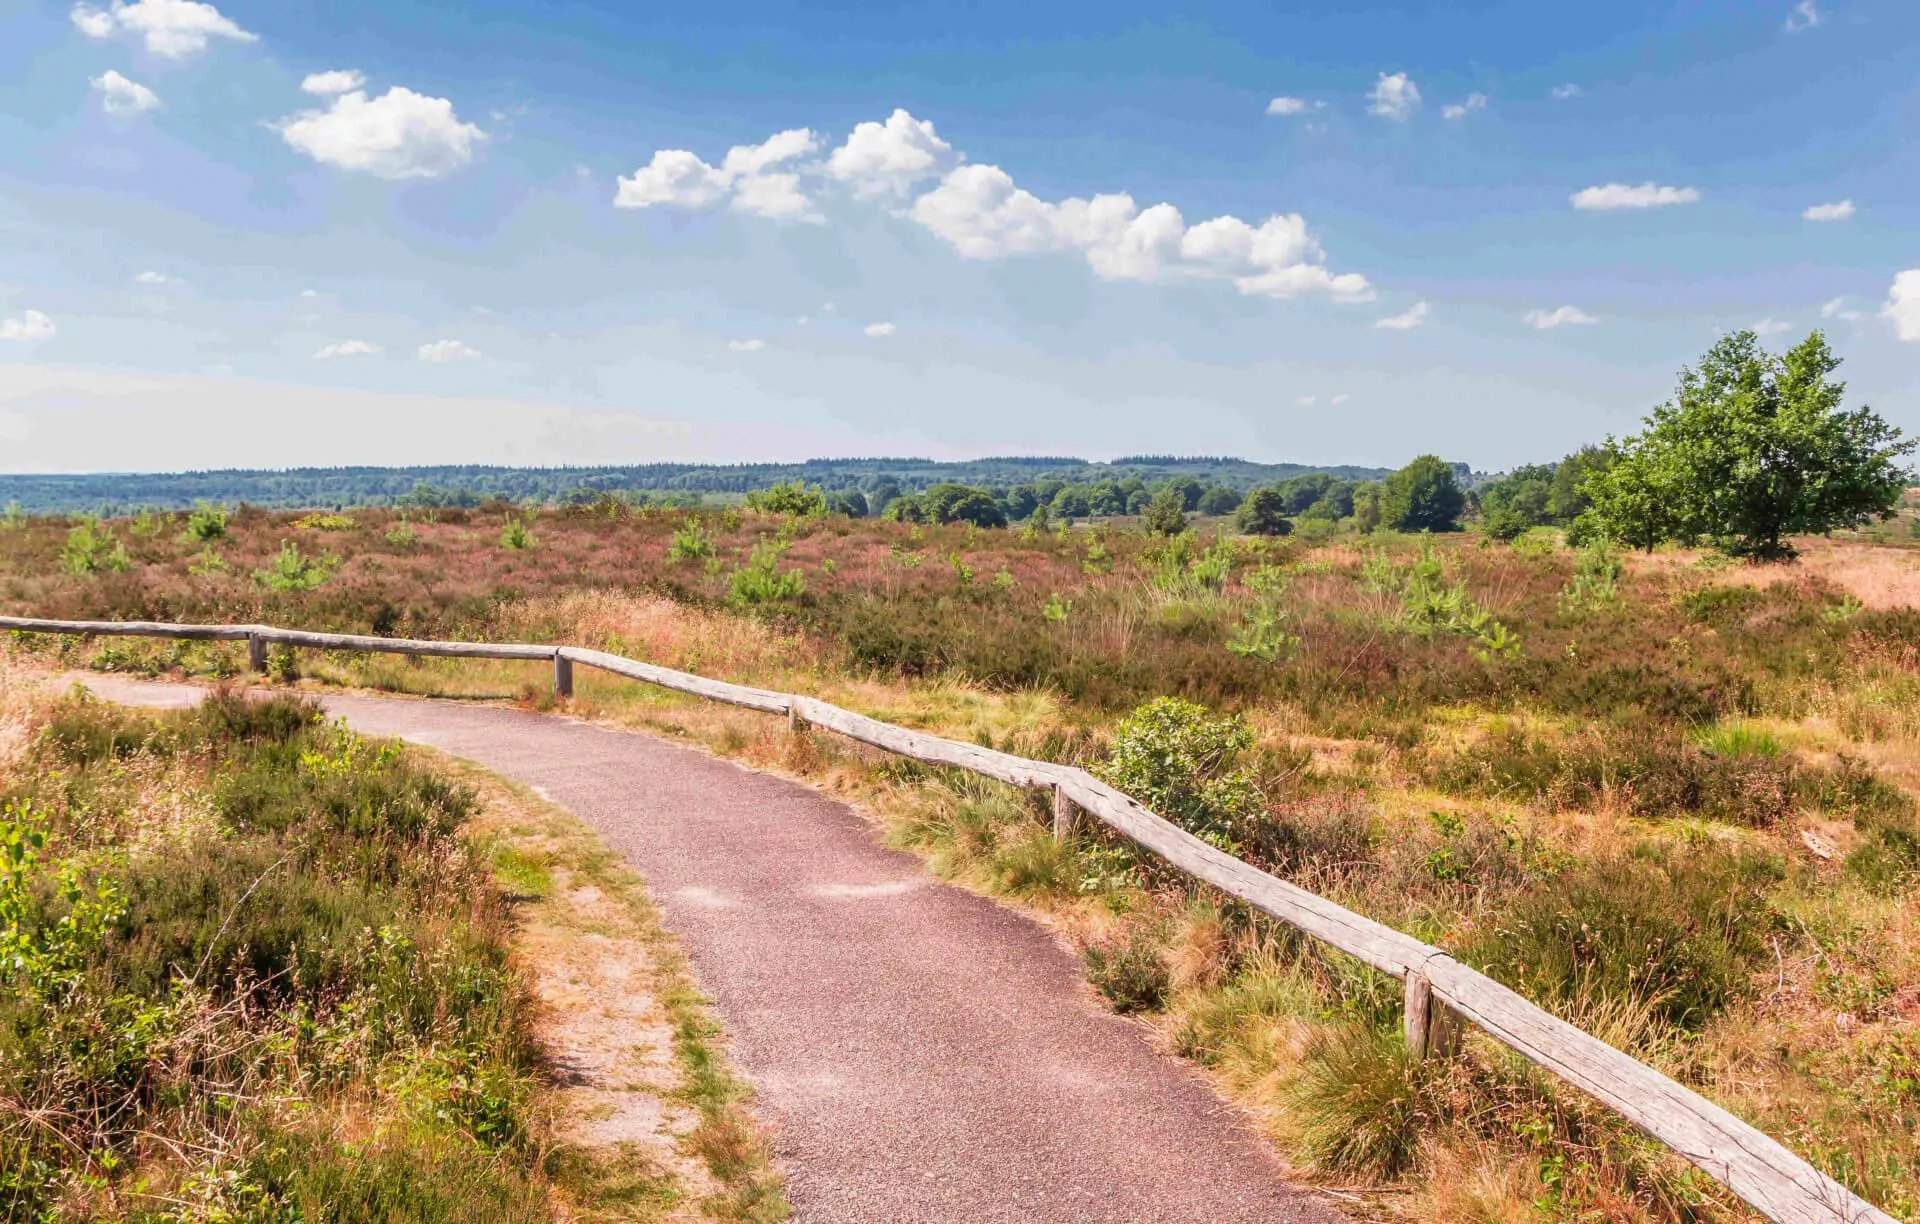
(1405, 321)
(1562, 92)
(346, 348)
(1805, 16)
(1615, 196)
(1460, 110)
(1771, 327)
(1837, 309)
(879, 329)
(1564, 316)
(1284, 105)
(1838, 211)
(746, 346)
(446, 352)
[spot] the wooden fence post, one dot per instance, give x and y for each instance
(1432, 1028)
(1063, 814)
(562, 675)
(256, 654)
(1416, 1012)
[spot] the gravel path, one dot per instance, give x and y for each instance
(921, 1053)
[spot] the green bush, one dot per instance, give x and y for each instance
(793, 497)
(690, 542)
(293, 572)
(92, 549)
(207, 523)
(1166, 514)
(516, 535)
(762, 581)
(1184, 764)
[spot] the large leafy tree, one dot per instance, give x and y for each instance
(1423, 496)
(1753, 448)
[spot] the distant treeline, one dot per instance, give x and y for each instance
(471, 485)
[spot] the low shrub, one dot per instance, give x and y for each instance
(1681, 933)
(1130, 970)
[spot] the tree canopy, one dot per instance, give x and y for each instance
(1753, 447)
(1425, 495)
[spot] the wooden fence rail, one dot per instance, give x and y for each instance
(1439, 991)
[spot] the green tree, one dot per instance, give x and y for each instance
(1166, 515)
(1366, 507)
(1219, 500)
(1071, 502)
(848, 503)
(1189, 489)
(1566, 499)
(1264, 513)
(957, 503)
(1422, 496)
(1753, 448)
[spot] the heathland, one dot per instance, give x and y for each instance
(1667, 793)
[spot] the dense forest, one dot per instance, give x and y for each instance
(339, 488)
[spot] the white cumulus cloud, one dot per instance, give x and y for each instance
(981, 212)
(1405, 321)
(1805, 16)
(346, 348)
(29, 325)
(120, 96)
(1903, 305)
(398, 135)
(755, 179)
(880, 329)
(446, 352)
(1564, 316)
(1839, 211)
(338, 81)
(1621, 195)
(746, 346)
(1394, 97)
(1771, 327)
(172, 28)
(887, 160)
(1284, 105)
(1460, 110)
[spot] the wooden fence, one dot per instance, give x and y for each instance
(1439, 991)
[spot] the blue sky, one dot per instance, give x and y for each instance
(352, 232)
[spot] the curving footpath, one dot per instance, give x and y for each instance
(922, 1054)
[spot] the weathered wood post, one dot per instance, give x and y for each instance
(1063, 814)
(256, 654)
(795, 723)
(1432, 1029)
(562, 675)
